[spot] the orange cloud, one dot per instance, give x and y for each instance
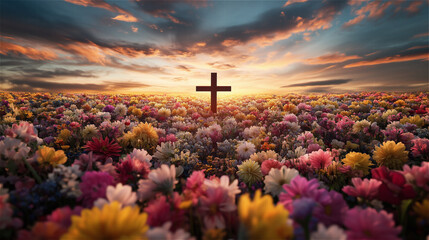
(373, 9)
(421, 35)
(293, 1)
(354, 21)
(396, 58)
(125, 16)
(134, 29)
(91, 52)
(414, 6)
(331, 58)
(29, 52)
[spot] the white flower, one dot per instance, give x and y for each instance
(13, 149)
(276, 178)
(121, 109)
(245, 150)
(323, 233)
(162, 180)
(164, 233)
(141, 155)
(89, 131)
(264, 155)
(67, 177)
(122, 194)
(165, 152)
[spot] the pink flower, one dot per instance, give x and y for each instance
(93, 186)
(214, 205)
(163, 209)
(24, 131)
(420, 148)
(194, 186)
(418, 176)
(267, 165)
(299, 187)
(370, 224)
(62, 216)
(320, 159)
(313, 147)
(366, 189)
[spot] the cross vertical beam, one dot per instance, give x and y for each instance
(214, 88)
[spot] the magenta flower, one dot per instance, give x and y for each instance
(366, 189)
(370, 224)
(299, 187)
(163, 209)
(332, 207)
(93, 186)
(418, 176)
(320, 159)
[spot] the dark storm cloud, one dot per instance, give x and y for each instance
(36, 21)
(319, 83)
(283, 21)
(30, 84)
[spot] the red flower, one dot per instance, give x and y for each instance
(131, 170)
(394, 188)
(103, 147)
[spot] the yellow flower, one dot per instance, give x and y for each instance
(110, 222)
(48, 155)
(358, 161)
(64, 135)
(249, 172)
(262, 219)
(391, 155)
(350, 145)
(214, 234)
(142, 136)
(422, 209)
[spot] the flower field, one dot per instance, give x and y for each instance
(349, 166)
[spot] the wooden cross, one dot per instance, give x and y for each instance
(214, 88)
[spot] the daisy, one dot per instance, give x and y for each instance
(277, 177)
(161, 180)
(121, 193)
(245, 149)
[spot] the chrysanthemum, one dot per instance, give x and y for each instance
(422, 209)
(331, 208)
(391, 155)
(299, 187)
(262, 219)
(370, 224)
(142, 136)
(245, 149)
(165, 209)
(264, 155)
(320, 159)
(89, 131)
(366, 189)
(48, 155)
(103, 147)
(121, 193)
(13, 149)
(93, 186)
(164, 232)
(421, 148)
(165, 152)
(130, 170)
(418, 175)
(223, 182)
(161, 180)
(269, 164)
(358, 161)
(249, 172)
(110, 222)
(214, 204)
(277, 177)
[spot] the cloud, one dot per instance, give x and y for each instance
(289, 2)
(319, 83)
(35, 85)
(32, 53)
(275, 25)
(124, 16)
(425, 34)
(336, 57)
(183, 67)
(391, 59)
(222, 66)
(58, 72)
(179, 79)
(414, 6)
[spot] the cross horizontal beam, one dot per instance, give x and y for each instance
(214, 88)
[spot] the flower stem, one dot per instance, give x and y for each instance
(33, 172)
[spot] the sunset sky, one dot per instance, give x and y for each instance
(136, 46)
